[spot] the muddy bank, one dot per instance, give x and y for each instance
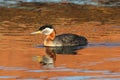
(55, 13)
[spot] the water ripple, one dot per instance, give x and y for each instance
(12, 68)
(73, 78)
(7, 77)
(82, 78)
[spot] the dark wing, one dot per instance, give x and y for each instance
(71, 40)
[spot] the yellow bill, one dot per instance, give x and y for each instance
(37, 32)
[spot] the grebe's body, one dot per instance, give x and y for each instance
(60, 40)
(66, 40)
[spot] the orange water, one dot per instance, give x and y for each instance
(98, 61)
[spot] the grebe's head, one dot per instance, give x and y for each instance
(46, 29)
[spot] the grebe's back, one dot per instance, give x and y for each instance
(70, 40)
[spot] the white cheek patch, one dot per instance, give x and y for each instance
(47, 31)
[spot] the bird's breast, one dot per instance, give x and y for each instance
(52, 43)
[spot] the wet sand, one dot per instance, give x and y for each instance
(98, 61)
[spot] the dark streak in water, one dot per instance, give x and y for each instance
(91, 63)
(39, 46)
(13, 34)
(115, 26)
(106, 44)
(23, 40)
(13, 68)
(82, 78)
(112, 59)
(100, 44)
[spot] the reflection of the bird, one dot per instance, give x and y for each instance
(63, 49)
(51, 52)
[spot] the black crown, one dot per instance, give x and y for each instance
(46, 26)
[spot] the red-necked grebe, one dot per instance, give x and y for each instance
(60, 40)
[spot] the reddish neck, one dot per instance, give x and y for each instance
(51, 36)
(49, 39)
